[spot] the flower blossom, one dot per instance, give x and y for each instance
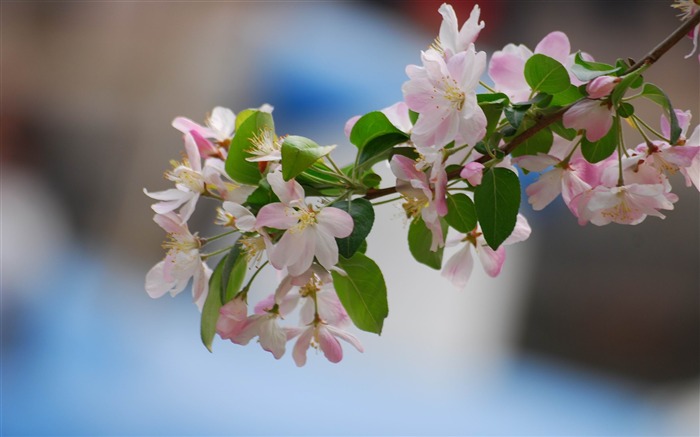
(459, 267)
(182, 262)
(310, 230)
(507, 66)
(627, 204)
(443, 92)
(453, 40)
(593, 115)
(568, 178)
(189, 184)
(425, 196)
(219, 125)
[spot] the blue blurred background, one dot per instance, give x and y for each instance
(588, 331)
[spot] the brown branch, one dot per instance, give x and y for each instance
(548, 119)
(669, 42)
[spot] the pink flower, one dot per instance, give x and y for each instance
(189, 183)
(443, 93)
(324, 337)
(219, 125)
(601, 86)
(453, 40)
(181, 263)
(628, 204)
(270, 334)
(310, 230)
(570, 180)
(425, 196)
(507, 66)
(232, 319)
(593, 116)
(473, 172)
(459, 267)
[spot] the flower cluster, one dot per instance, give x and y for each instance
(455, 146)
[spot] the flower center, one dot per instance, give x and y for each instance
(453, 93)
(253, 247)
(183, 174)
(176, 243)
(307, 217)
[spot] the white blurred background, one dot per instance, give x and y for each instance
(588, 331)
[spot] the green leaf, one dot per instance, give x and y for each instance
(233, 273)
(237, 167)
(371, 126)
(420, 239)
(243, 116)
(541, 142)
(588, 70)
(461, 213)
(299, 153)
(497, 202)
(210, 310)
(559, 129)
(492, 105)
(362, 214)
(515, 115)
(371, 180)
(362, 292)
(604, 147)
(625, 110)
(658, 96)
(568, 96)
(363, 247)
(546, 74)
(374, 136)
(413, 116)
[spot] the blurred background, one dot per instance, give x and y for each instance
(588, 331)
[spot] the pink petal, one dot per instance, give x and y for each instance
(521, 232)
(326, 249)
(171, 223)
(276, 215)
(555, 45)
(492, 260)
(329, 345)
(545, 190)
(295, 250)
(335, 222)
(288, 192)
(346, 336)
(350, 124)
(156, 286)
(301, 346)
(459, 267)
(272, 338)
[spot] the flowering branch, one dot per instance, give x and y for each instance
(285, 202)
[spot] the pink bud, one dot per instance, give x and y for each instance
(601, 86)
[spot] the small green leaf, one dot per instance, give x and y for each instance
(413, 116)
(497, 202)
(210, 310)
(540, 142)
(461, 213)
(515, 115)
(233, 273)
(371, 180)
(589, 70)
(546, 74)
(492, 105)
(299, 153)
(362, 292)
(362, 214)
(568, 96)
(658, 96)
(420, 239)
(371, 126)
(237, 167)
(559, 129)
(363, 247)
(375, 136)
(625, 110)
(599, 150)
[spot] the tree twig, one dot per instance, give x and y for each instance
(654, 55)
